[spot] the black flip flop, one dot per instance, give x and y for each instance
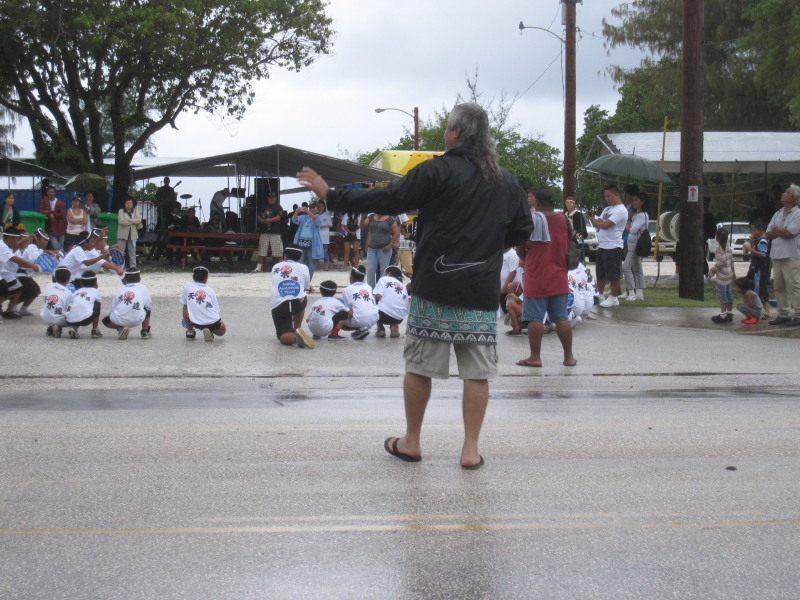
(524, 363)
(392, 449)
(474, 467)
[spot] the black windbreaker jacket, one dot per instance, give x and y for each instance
(464, 223)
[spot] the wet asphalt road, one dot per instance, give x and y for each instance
(664, 466)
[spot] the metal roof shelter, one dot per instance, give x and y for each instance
(762, 152)
(269, 161)
(15, 167)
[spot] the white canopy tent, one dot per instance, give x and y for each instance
(762, 152)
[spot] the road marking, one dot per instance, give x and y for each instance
(421, 523)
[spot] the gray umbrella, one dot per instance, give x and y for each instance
(628, 165)
(86, 182)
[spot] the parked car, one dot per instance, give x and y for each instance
(591, 242)
(665, 248)
(738, 234)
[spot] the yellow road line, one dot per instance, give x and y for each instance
(400, 527)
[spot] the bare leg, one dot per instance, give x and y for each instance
(614, 287)
(416, 393)
(346, 253)
(476, 398)
(564, 331)
(535, 333)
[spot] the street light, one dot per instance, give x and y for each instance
(569, 42)
(415, 116)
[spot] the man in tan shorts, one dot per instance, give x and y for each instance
(456, 277)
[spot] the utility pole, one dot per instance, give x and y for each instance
(690, 283)
(569, 100)
(416, 128)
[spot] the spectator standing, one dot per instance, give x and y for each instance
(636, 227)
(77, 220)
(782, 231)
(9, 215)
(56, 224)
(723, 274)
(129, 221)
(307, 236)
(325, 225)
(758, 248)
(93, 210)
(610, 225)
(383, 235)
(545, 285)
(578, 224)
(269, 226)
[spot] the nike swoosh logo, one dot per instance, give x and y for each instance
(440, 266)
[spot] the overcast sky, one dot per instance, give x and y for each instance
(406, 54)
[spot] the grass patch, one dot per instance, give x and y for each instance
(668, 297)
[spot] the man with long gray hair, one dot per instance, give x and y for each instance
(469, 210)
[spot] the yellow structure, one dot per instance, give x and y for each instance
(401, 161)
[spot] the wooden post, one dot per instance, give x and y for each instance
(690, 284)
(569, 100)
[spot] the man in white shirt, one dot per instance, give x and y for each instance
(610, 225)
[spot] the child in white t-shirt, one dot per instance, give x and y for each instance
(130, 306)
(84, 306)
(392, 298)
(360, 303)
(328, 314)
(56, 301)
(291, 281)
(200, 307)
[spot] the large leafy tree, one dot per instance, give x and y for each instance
(97, 78)
(771, 44)
(733, 98)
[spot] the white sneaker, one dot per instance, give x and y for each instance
(631, 295)
(609, 302)
(639, 295)
(208, 335)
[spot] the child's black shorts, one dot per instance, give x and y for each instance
(283, 313)
(213, 326)
(88, 320)
(385, 319)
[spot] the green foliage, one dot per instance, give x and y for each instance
(772, 46)
(733, 101)
(100, 77)
(144, 193)
(532, 161)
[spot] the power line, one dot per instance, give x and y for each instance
(557, 56)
